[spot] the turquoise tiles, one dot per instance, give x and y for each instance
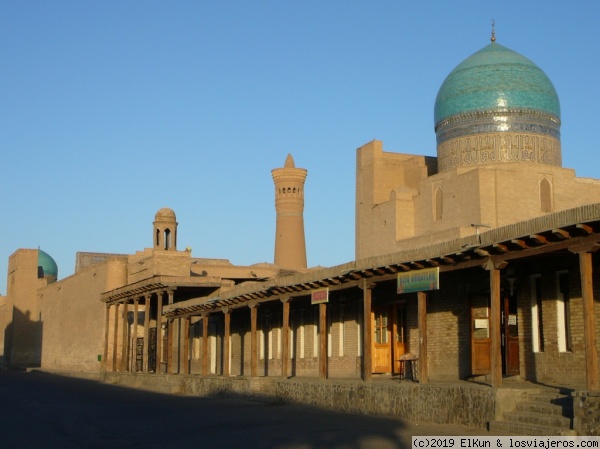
(496, 78)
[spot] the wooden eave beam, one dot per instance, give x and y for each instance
(519, 243)
(418, 265)
(561, 234)
(448, 260)
(481, 252)
(432, 262)
(585, 229)
(501, 248)
(462, 256)
(539, 239)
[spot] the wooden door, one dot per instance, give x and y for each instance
(510, 336)
(382, 341)
(481, 342)
(139, 354)
(152, 350)
(400, 335)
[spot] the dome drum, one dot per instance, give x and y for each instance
(495, 121)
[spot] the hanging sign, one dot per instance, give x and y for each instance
(419, 280)
(319, 296)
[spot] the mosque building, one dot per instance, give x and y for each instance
(475, 277)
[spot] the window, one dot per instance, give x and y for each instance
(381, 327)
(167, 239)
(545, 195)
(438, 204)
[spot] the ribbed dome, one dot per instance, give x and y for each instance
(495, 78)
(165, 214)
(47, 265)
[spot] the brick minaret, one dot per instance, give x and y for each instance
(290, 247)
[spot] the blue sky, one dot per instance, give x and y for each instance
(110, 110)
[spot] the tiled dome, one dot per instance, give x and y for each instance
(495, 78)
(47, 265)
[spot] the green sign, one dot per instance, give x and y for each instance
(419, 280)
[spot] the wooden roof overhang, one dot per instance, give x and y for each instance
(574, 230)
(185, 286)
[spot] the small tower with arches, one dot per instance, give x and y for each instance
(165, 230)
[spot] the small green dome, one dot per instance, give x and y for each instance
(46, 265)
(495, 78)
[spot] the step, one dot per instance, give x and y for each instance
(541, 407)
(561, 400)
(549, 397)
(519, 428)
(538, 418)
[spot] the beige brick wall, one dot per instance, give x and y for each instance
(73, 317)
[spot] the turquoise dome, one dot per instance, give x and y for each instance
(495, 79)
(47, 265)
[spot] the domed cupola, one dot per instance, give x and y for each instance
(496, 107)
(47, 267)
(165, 230)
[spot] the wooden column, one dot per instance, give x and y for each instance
(177, 346)
(159, 340)
(367, 364)
(104, 365)
(253, 341)
(423, 360)
(134, 335)
(285, 353)
(146, 332)
(226, 341)
(589, 325)
(204, 345)
(170, 330)
(115, 337)
(323, 341)
(186, 346)
(124, 338)
(496, 350)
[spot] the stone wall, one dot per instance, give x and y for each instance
(466, 405)
(443, 404)
(586, 413)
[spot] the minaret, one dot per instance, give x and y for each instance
(290, 247)
(165, 230)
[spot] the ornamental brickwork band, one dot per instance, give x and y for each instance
(498, 148)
